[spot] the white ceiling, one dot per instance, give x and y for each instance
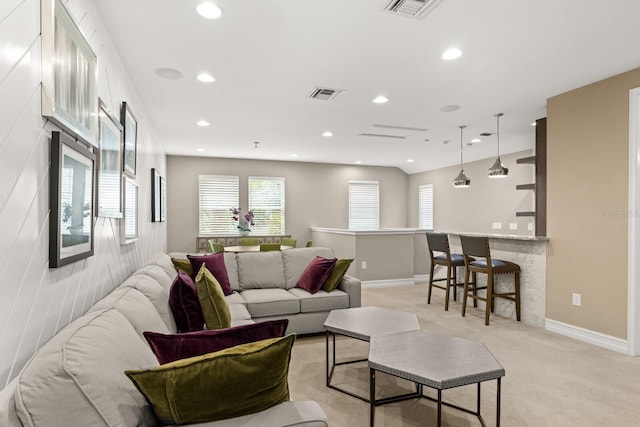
(268, 55)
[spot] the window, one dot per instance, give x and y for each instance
(363, 205)
(266, 199)
(218, 194)
(425, 206)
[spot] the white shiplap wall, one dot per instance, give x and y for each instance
(35, 301)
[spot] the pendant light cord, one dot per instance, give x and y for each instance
(498, 130)
(461, 130)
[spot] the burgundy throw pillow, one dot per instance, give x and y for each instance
(316, 273)
(215, 264)
(184, 303)
(169, 348)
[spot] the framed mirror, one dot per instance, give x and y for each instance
(109, 200)
(129, 223)
(70, 201)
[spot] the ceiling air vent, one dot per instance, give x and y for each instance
(324, 93)
(411, 8)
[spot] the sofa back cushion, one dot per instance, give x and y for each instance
(158, 274)
(78, 376)
(260, 270)
(163, 260)
(158, 296)
(296, 261)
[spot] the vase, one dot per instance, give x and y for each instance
(244, 233)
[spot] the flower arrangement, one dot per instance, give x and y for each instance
(244, 221)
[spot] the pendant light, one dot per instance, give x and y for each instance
(498, 170)
(461, 181)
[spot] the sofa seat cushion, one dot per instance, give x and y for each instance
(321, 300)
(271, 302)
(296, 261)
(79, 375)
(260, 270)
(239, 312)
(235, 298)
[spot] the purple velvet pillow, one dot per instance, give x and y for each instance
(316, 273)
(185, 305)
(215, 264)
(169, 348)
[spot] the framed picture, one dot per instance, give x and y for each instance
(70, 201)
(129, 224)
(69, 74)
(130, 125)
(163, 199)
(155, 195)
(109, 200)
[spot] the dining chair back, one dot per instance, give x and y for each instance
(288, 241)
(249, 241)
(440, 254)
(478, 246)
(264, 247)
(215, 247)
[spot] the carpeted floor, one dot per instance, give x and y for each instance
(550, 380)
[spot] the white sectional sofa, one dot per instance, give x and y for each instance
(77, 378)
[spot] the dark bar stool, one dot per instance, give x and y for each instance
(473, 246)
(439, 242)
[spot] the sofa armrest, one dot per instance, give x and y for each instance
(351, 286)
(307, 413)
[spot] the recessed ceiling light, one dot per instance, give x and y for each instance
(169, 73)
(200, 150)
(206, 78)
(452, 53)
(209, 10)
(476, 140)
(327, 134)
(409, 160)
(380, 99)
(358, 162)
(203, 123)
(445, 142)
(450, 108)
(295, 156)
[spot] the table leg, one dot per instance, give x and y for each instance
(498, 405)
(478, 409)
(439, 408)
(372, 395)
(327, 354)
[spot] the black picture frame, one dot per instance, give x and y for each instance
(109, 165)
(71, 197)
(155, 195)
(130, 140)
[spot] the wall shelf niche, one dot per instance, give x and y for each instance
(540, 185)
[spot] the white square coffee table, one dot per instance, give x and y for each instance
(433, 360)
(362, 323)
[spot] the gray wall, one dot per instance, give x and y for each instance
(316, 194)
(35, 301)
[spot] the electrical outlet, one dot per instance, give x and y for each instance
(530, 226)
(577, 299)
(364, 265)
(513, 226)
(496, 226)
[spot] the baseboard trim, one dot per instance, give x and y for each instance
(587, 335)
(389, 283)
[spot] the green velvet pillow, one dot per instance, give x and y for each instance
(334, 279)
(236, 381)
(215, 308)
(182, 264)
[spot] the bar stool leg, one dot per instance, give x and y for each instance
(430, 283)
(465, 290)
(489, 299)
(474, 279)
(447, 287)
(455, 282)
(517, 283)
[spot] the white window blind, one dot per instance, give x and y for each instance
(364, 205)
(266, 199)
(425, 206)
(218, 194)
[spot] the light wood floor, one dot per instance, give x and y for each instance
(550, 380)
